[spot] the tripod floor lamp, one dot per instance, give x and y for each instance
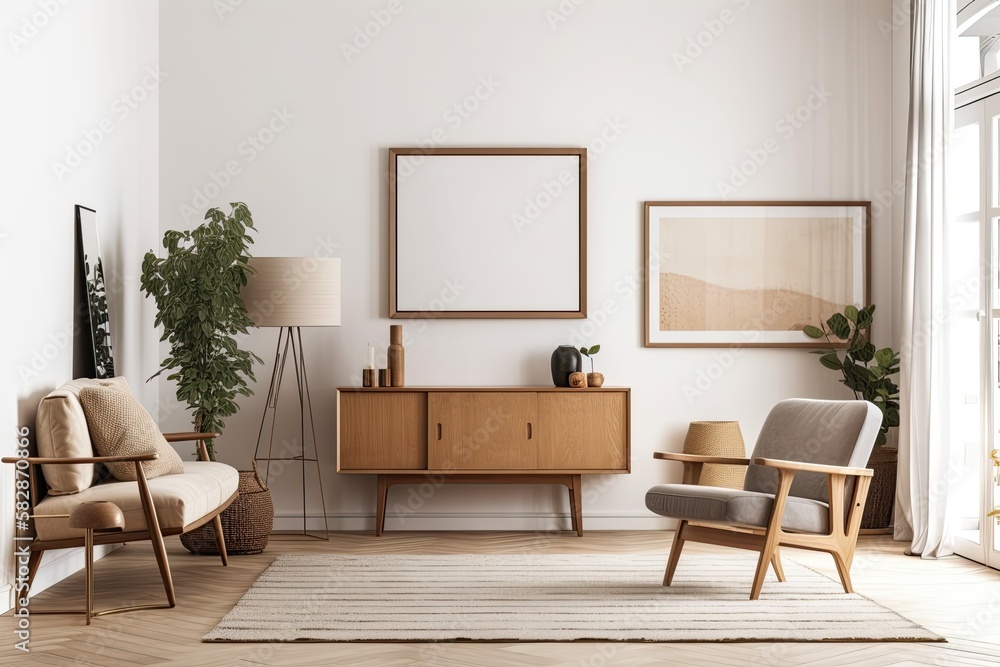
(291, 293)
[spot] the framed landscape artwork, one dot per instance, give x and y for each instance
(751, 274)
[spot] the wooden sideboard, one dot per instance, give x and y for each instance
(482, 435)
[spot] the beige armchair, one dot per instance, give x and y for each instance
(63, 478)
(805, 488)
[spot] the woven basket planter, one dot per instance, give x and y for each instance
(882, 493)
(717, 439)
(246, 523)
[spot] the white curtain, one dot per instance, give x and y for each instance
(922, 489)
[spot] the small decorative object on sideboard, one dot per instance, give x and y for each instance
(578, 380)
(384, 377)
(395, 354)
(368, 378)
(566, 359)
(593, 379)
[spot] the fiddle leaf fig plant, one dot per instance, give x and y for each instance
(589, 353)
(867, 371)
(197, 291)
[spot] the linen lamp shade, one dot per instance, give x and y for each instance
(293, 292)
(717, 439)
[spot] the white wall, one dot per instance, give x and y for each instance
(278, 71)
(65, 67)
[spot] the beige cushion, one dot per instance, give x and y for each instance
(61, 428)
(120, 426)
(179, 500)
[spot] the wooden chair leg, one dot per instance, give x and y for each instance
(776, 564)
(844, 570)
(155, 536)
(220, 539)
(675, 553)
(766, 555)
(381, 497)
(576, 504)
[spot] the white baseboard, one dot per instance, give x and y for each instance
(543, 522)
(56, 565)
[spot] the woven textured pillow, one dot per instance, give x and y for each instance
(120, 426)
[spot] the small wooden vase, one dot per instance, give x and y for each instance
(395, 355)
(595, 379)
(577, 380)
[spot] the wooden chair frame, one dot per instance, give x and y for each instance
(839, 542)
(153, 531)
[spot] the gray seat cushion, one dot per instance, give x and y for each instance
(736, 506)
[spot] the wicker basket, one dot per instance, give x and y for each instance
(717, 439)
(246, 523)
(882, 493)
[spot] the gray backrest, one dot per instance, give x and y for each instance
(840, 433)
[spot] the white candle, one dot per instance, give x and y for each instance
(371, 356)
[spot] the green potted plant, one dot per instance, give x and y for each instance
(869, 373)
(197, 292)
(593, 379)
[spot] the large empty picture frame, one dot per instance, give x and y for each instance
(751, 274)
(488, 232)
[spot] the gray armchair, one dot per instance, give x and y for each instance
(805, 487)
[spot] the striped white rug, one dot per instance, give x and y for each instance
(549, 598)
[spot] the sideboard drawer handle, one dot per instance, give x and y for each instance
(439, 431)
(529, 430)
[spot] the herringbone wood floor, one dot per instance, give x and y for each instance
(954, 597)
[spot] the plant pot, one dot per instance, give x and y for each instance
(882, 492)
(595, 379)
(246, 523)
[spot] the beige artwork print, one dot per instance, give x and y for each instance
(736, 274)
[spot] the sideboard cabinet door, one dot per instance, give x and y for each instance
(482, 430)
(583, 431)
(383, 431)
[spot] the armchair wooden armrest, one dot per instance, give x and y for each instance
(693, 463)
(191, 435)
(801, 466)
(696, 458)
(49, 460)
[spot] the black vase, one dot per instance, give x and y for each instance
(565, 360)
